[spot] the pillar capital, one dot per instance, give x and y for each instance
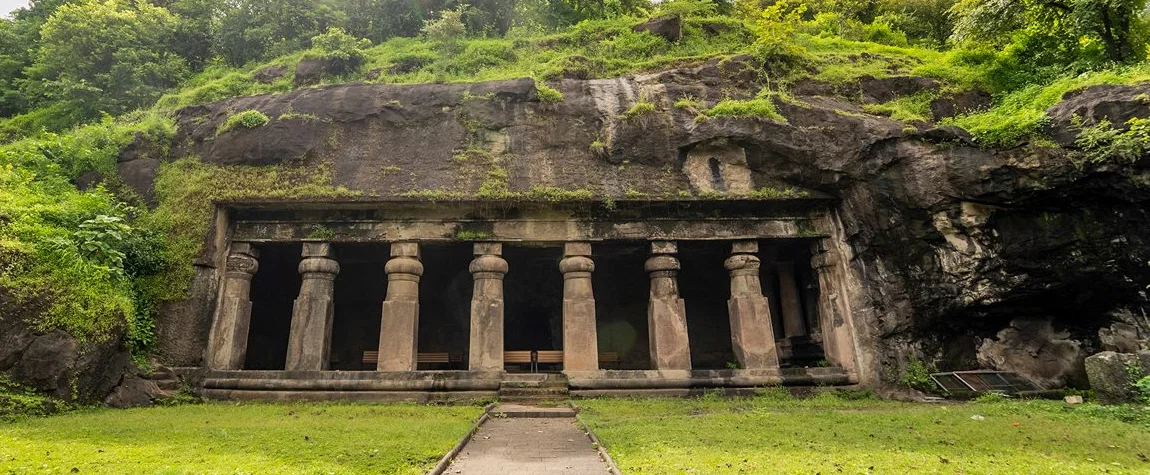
(576, 265)
(243, 261)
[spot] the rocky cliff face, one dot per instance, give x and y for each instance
(1014, 258)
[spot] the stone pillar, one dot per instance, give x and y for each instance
(580, 341)
(752, 334)
(666, 312)
(309, 343)
(399, 327)
(487, 270)
(228, 345)
(790, 301)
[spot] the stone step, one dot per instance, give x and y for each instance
(161, 374)
(168, 384)
(503, 392)
(538, 377)
(506, 409)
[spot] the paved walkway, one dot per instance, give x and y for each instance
(528, 446)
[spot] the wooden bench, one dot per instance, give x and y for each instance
(371, 357)
(524, 357)
(609, 357)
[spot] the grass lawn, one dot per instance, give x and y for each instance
(222, 438)
(828, 435)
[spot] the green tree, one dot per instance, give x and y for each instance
(110, 56)
(259, 29)
(1076, 28)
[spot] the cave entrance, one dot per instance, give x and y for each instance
(792, 290)
(705, 285)
(360, 288)
(274, 290)
(444, 306)
(621, 293)
(533, 306)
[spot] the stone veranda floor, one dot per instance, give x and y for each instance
(528, 446)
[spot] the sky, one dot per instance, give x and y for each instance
(6, 6)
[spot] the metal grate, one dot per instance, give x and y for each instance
(968, 382)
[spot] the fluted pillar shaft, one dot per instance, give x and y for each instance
(309, 343)
(666, 312)
(399, 327)
(580, 340)
(487, 271)
(752, 335)
(790, 302)
(228, 344)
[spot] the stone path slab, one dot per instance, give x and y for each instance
(528, 446)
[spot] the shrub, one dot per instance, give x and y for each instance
(248, 119)
(1102, 142)
(449, 28)
(1143, 388)
(547, 94)
(916, 375)
(342, 50)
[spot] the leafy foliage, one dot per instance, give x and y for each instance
(1102, 142)
(344, 51)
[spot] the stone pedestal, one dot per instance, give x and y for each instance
(487, 270)
(228, 345)
(580, 341)
(399, 327)
(666, 312)
(752, 334)
(790, 301)
(309, 343)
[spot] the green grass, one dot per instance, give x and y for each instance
(1021, 113)
(911, 108)
(760, 107)
(827, 434)
(236, 438)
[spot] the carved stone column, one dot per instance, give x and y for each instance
(309, 343)
(789, 300)
(752, 335)
(487, 270)
(228, 345)
(666, 312)
(580, 341)
(399, 327)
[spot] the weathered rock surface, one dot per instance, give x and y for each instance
(950, 242)
(1032, 346)
(1112, 375)
(669, 27)
(133, 391)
